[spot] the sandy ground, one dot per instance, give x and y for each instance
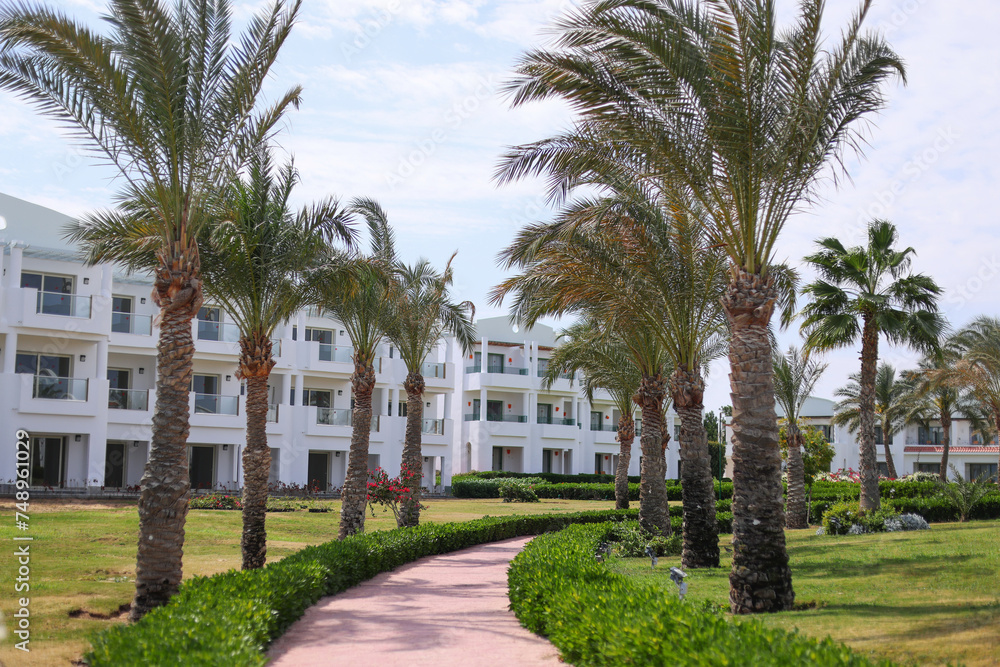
(438, 611)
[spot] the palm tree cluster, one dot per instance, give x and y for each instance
(701, 126)
(171, 98)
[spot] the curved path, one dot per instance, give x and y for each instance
(437, 611)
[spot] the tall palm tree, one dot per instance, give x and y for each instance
(253, 264)
(891, 404)
(586, 273)
(795, 376)
(423, 312)
(978, 367)
(605, 363)
(358, 295)
(169, 97)
(744, 118)
(931, 396)
(864, 292)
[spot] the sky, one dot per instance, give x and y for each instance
(403, 102)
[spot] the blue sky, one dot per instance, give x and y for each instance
(402, 103)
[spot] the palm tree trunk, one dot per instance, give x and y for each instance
(654, 514)
(701, 532)
(996, 421)
(945, 444)
(255, 367)
(165, 484)
(866, 416)
(760, 580)
(411, 469)
(626, 436)
(890, 463)
(354, 495)
(796, 514)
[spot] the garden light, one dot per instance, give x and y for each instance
(652, 556)
(677, 576)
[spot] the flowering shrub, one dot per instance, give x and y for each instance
(921, 477)
(216, 502)
(389, 492)
(846, 519)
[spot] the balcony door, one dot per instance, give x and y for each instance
(498, 458)
(121, 314)
(201, 463)
(544, 413)
(114, 465)
(596, 421)
(494, 363)
(494, 411)
(119, 382)
(209, 320)
(52, 373)
(52, 288)
(477, 408)
(319, 471)
(48, 461)
(206, 389)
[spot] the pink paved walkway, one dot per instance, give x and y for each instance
(437, 611)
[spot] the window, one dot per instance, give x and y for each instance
(319, 335)
(119, 383)
(677, 432)
(598, 464)
(54, 295)
(209, 323)
(987, 469)
(206, 390)
(929, 436)
(494, 411)
(828, 432)
(44, 365)
(121, 314)
(596, 421)
(546, 460)
(543, 366)
(498, 458)
(48, 461)
(878, 436)
(883, 469)
(927, 467)
(544, 413)
(476, 409)
(47, 283)
(318, 398)
(494, 363)
(402, 409)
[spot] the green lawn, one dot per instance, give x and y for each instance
(83, 558)
(928, 597)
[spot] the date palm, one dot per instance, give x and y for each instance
(795, 376)
(745, 118)
(892, 407)
(605, 364)
(358, 295)
(423, 311)
(253, 266)
(169, 97)
(978, 367)
(866, 292)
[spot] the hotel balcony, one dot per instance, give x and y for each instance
(56, 396)
(510, 377)
(128, 399)
(54, 310)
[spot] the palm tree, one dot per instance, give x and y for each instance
(605, 362)
(170, 98)
(865, 292)
(358, 295)
(892, 407)
(795, 375)
(931, 397)
(711, 99)
(253, 265)
(978, 367)
(587, 273)
(422, 313)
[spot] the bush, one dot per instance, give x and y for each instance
(216, 501)
(230, 618)
(517, 491)
(629, 540)
(474, 487)
(596, 616)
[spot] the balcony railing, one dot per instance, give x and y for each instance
(433, 426)
(128, 399)
(557, 421)
(542, 372)
(130, 323)
(225, 332)
(68, 305)
(520, 419)
(56, 388)
(506, 370)
(340, 417)
(216, 404)
(603, 427)
(272, 413)
(339, 353)
(430, 370)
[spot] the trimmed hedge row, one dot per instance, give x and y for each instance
(934, 509)
(596, 616)
(887, 490)
(476, 487)
(230, 618)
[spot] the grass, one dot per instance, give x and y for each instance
(927, 597)
(83, 558)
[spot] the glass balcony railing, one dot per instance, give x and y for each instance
(275, 347)
(433, 426)
(130, 323)
(542, 372)
(519, 419)
(68, 305)
(128, 399)
(603, 427)
(430, 370)
(506, 370)
(338, 353)
(558, 421)
(341, 417)
(225, 332)
(272, 414)
(56, 388)
(215, 404)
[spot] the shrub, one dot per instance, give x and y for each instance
(964, 494)
(474, 487)
(216, 502)
(629, 540)
(230, 618)
(517, 491)
(596, 616)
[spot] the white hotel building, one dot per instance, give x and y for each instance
(78, 370)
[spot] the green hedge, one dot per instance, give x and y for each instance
(230, 618)
(934, 509)
(596, 616)
(469, 486)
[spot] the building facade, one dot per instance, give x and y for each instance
(78, 373)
